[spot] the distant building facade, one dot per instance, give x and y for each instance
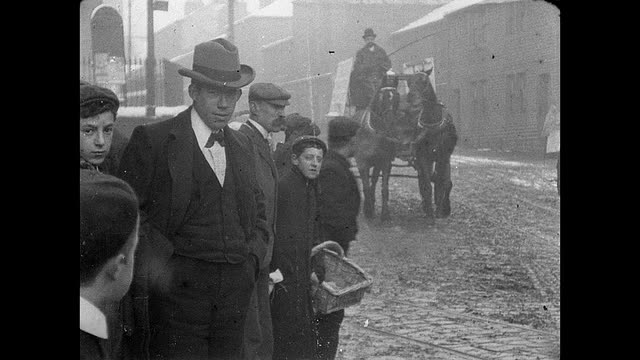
(497, 68)
(324, 33)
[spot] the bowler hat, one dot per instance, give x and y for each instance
(368, 32)
(93, 93)
(216, 63)
(342, 127)
(270, 93)
(299, 143)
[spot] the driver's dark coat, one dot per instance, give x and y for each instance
(370, 65)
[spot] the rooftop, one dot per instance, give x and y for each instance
(440, 12)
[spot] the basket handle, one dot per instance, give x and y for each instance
(330, 246)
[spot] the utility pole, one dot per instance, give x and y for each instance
(127, 58)
(150, 65)
(230, 32)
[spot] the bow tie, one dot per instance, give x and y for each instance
(215, 136)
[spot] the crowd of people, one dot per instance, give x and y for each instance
(196, 232)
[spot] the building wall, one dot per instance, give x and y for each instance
(324, 34)
(485, 56)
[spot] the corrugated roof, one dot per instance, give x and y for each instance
(446, 9)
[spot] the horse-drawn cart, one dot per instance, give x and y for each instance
(405, 121)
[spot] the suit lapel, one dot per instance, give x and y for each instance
(180, 160)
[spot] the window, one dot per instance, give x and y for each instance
(542, 98)
(474, 105)
(509, 98)
(484, 110)
(515, 16)
(510, 10)
(521, 87)
(520, 14)
(479, 108)
(478, 27)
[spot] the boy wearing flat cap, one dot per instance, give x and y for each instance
(203, 222)
(267, 102)
(296, 125)
(339, 206)
(108, 239)
(297, 232)
(98, 110)
(101, 144)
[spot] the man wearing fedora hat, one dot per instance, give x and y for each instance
(267, 102)
(369, 69)
(203, 221)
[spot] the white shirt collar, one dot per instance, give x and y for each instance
(92, 320)
(200, 128)
(263, 131)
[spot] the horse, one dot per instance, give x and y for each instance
(377, 145)
(432, 146)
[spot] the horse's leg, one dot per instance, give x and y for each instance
(375, 173)
(369, 207)
(424, 166)
(384, 189)
(442, 187)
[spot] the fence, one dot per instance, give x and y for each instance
(133, 90)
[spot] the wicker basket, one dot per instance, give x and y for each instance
(344, 284)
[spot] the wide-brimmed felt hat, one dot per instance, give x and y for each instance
(368, 32)
(217, 63)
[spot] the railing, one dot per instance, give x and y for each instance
(132, 91)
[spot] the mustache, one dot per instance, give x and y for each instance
(279, 121)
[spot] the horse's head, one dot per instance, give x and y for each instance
(385, 107)
(422, 103)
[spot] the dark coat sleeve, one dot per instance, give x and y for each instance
(137, 167)
(258, 243)
(259, 236)
(339, 205)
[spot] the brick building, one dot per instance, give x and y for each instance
(497, 67)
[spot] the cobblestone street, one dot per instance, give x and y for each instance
(482, 284)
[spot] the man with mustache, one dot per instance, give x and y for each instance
(203, 221)
(267, 102)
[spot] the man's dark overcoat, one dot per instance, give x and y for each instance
(267, 176)
(158, 163)
(370, 65)
(297, 227)
(259, 329)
